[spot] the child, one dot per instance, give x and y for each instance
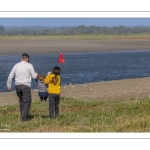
(53, 81)
(41, 87)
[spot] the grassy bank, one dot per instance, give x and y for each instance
(81, 116)
(90, 37)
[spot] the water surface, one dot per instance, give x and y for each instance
(82, 68)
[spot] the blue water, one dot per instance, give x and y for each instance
(84, 67)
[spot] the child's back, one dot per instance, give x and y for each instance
(41, 87)
(54, 84)
(53, 81)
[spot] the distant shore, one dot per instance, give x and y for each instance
(55, 46)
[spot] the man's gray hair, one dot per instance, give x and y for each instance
(25, 55)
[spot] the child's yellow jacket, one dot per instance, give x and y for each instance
(52, 89)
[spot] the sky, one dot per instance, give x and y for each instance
(56, 22)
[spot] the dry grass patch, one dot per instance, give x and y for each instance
(81, 116)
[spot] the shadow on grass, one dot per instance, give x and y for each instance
(30, 117)
(44, 116)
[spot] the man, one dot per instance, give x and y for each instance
(23, 72)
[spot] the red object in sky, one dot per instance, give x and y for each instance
(61, 59)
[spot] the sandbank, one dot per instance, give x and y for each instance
(55, 46)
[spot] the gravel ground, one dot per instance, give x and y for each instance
(120, 89)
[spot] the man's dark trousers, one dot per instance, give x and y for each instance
(24, 94)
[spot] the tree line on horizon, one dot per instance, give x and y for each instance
(93, 30)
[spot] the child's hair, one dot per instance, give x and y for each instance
(56, 70)
(41, 77)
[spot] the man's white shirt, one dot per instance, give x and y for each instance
(23, 73)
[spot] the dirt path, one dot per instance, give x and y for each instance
(120, 89)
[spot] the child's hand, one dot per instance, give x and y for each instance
(48, 73)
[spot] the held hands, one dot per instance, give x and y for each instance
(48, 73)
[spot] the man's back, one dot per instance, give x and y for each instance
(23, 71)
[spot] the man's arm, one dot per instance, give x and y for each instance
(33, 73)
(9, 80)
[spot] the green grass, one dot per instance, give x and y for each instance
(90, 37)
(81, 116)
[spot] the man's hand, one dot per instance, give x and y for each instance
(9, 89)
